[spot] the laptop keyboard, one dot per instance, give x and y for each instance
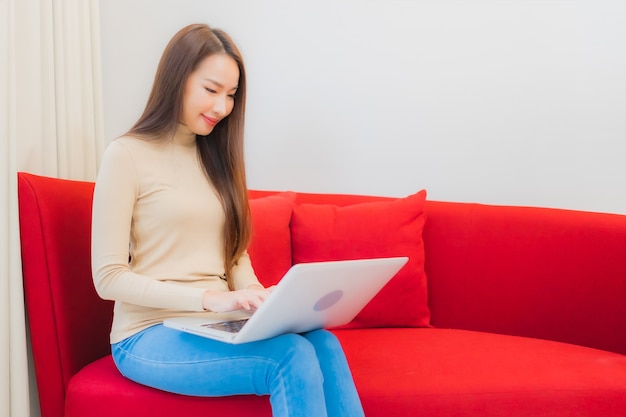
(229, 326)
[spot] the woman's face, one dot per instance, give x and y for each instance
(209, 94)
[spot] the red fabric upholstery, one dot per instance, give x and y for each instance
(441, 372)
(537, 272)
(99, 390)
(270, 249)
(326, 232)
(67, 318)
(549, 274)
(436, 372)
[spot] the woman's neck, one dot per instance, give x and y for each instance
(184, 136)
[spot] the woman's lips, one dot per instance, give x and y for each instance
(211, 121)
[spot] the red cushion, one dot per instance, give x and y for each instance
(324, 232)
(441, 372)
(270, 249)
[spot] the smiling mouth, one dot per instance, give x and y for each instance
(210, 120)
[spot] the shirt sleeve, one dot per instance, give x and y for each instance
(115, 194)
(243, 273)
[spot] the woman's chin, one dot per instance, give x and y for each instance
(203, 131)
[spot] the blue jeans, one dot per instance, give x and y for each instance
(305, 375)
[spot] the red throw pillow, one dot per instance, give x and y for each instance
(270, 248)
(322, 232)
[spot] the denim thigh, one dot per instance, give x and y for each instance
(304, 374)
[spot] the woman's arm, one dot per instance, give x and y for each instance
(116, 192)
(243, 275)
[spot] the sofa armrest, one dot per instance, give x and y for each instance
(69, 323)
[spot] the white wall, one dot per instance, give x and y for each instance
(517, 102)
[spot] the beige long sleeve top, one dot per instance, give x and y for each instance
(153, 203)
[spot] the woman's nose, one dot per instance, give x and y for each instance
(219, 106)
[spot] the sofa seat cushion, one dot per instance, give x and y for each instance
(439, 372)
(99, 390)
(403, 372)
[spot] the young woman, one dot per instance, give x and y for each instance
(171, 225)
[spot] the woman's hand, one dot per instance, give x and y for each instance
(222, 301)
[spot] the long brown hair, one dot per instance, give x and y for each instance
(221, 152)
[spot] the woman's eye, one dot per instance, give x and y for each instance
(210, 90)
(232, 96)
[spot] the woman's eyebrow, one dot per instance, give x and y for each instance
(220, 85)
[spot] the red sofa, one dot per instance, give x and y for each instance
(504, 311)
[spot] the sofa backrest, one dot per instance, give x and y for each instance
(69, 323)
(538, 272)
(526, 271)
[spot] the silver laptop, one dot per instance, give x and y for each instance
(310, 296)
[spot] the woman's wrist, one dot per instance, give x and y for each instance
(206, 300)
(255, 287)
(213, 300)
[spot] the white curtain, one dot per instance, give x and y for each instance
(50, 124)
